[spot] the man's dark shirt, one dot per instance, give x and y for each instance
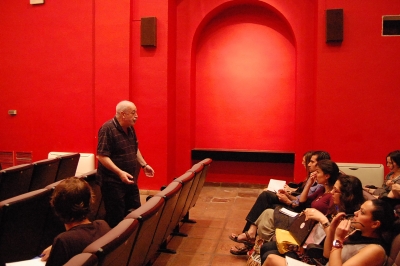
(120, 147)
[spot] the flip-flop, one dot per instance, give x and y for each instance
(249, 241)
(240, 250)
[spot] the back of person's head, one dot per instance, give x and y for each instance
(329, 167)
(322, 155)
(395, 157)
(72, 199)
(351, 193)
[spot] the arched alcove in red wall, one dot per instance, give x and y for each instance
(245, 65)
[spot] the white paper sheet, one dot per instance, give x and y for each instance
(288, 212)
(292, 262)
(275, 185)
(32, 262)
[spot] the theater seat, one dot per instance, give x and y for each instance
(44, 173)
(15, 180)
(148, 216)
(83, 259)
(186, 181)
(394, 256)
(114, 247)
(206, 164)
(68, 165)
(170, 194)
(22, 222)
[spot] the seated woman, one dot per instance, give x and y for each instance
(393, 177)
(347, 195)
(358, 241)
(71, 201)
(326, 175)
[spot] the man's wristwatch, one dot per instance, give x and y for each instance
(337, 243)
(325, 225)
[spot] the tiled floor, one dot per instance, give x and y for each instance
(219, 211)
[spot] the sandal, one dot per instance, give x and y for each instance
(240, 250)
(249, 241)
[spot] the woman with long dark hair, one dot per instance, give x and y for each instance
(356, 241)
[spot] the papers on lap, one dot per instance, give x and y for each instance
(32, 262)
(292, 262)
(288, 212)
(275, 185)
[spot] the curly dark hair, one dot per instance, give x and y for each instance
(351, 193)
(72, 199)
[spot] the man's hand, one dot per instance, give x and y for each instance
(148, 171)
(126, 178)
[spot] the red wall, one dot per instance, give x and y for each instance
(357, 85)
(64, 66)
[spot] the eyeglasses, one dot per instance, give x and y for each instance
(132, 113)
(335, 191)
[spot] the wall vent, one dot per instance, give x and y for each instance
(23, 157)
(6, 159)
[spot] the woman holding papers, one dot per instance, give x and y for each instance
(356, 241)
(270, 200)
(347, 195)
(323, 202)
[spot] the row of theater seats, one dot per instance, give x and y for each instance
(28, 225)
(146, 231)
(23, 178)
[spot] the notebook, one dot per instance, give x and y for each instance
(297, 232)
(300, 228)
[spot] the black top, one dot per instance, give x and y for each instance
(74, 241)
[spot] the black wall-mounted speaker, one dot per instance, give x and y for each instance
(334, 25)
(148, 31)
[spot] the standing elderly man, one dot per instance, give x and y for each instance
(119, 155)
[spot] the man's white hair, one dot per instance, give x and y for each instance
(122, 106)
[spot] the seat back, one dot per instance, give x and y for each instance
(170, 195)
(197, 170)
(98, 211)
(148, 215)
(15, 180)
(83, 259)
(206, 164)
(44, 173)
(394, 256)
(114, 248)
(53, 225)
(22, 222)
(68, 165)
(186, 180)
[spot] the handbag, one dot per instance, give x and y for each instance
(254, 258)
(293, 238)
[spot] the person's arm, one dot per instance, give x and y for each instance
(330, 233)
(370, 255)
(395, 192)
(109, 164)
(148, 170)
(308, 185)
